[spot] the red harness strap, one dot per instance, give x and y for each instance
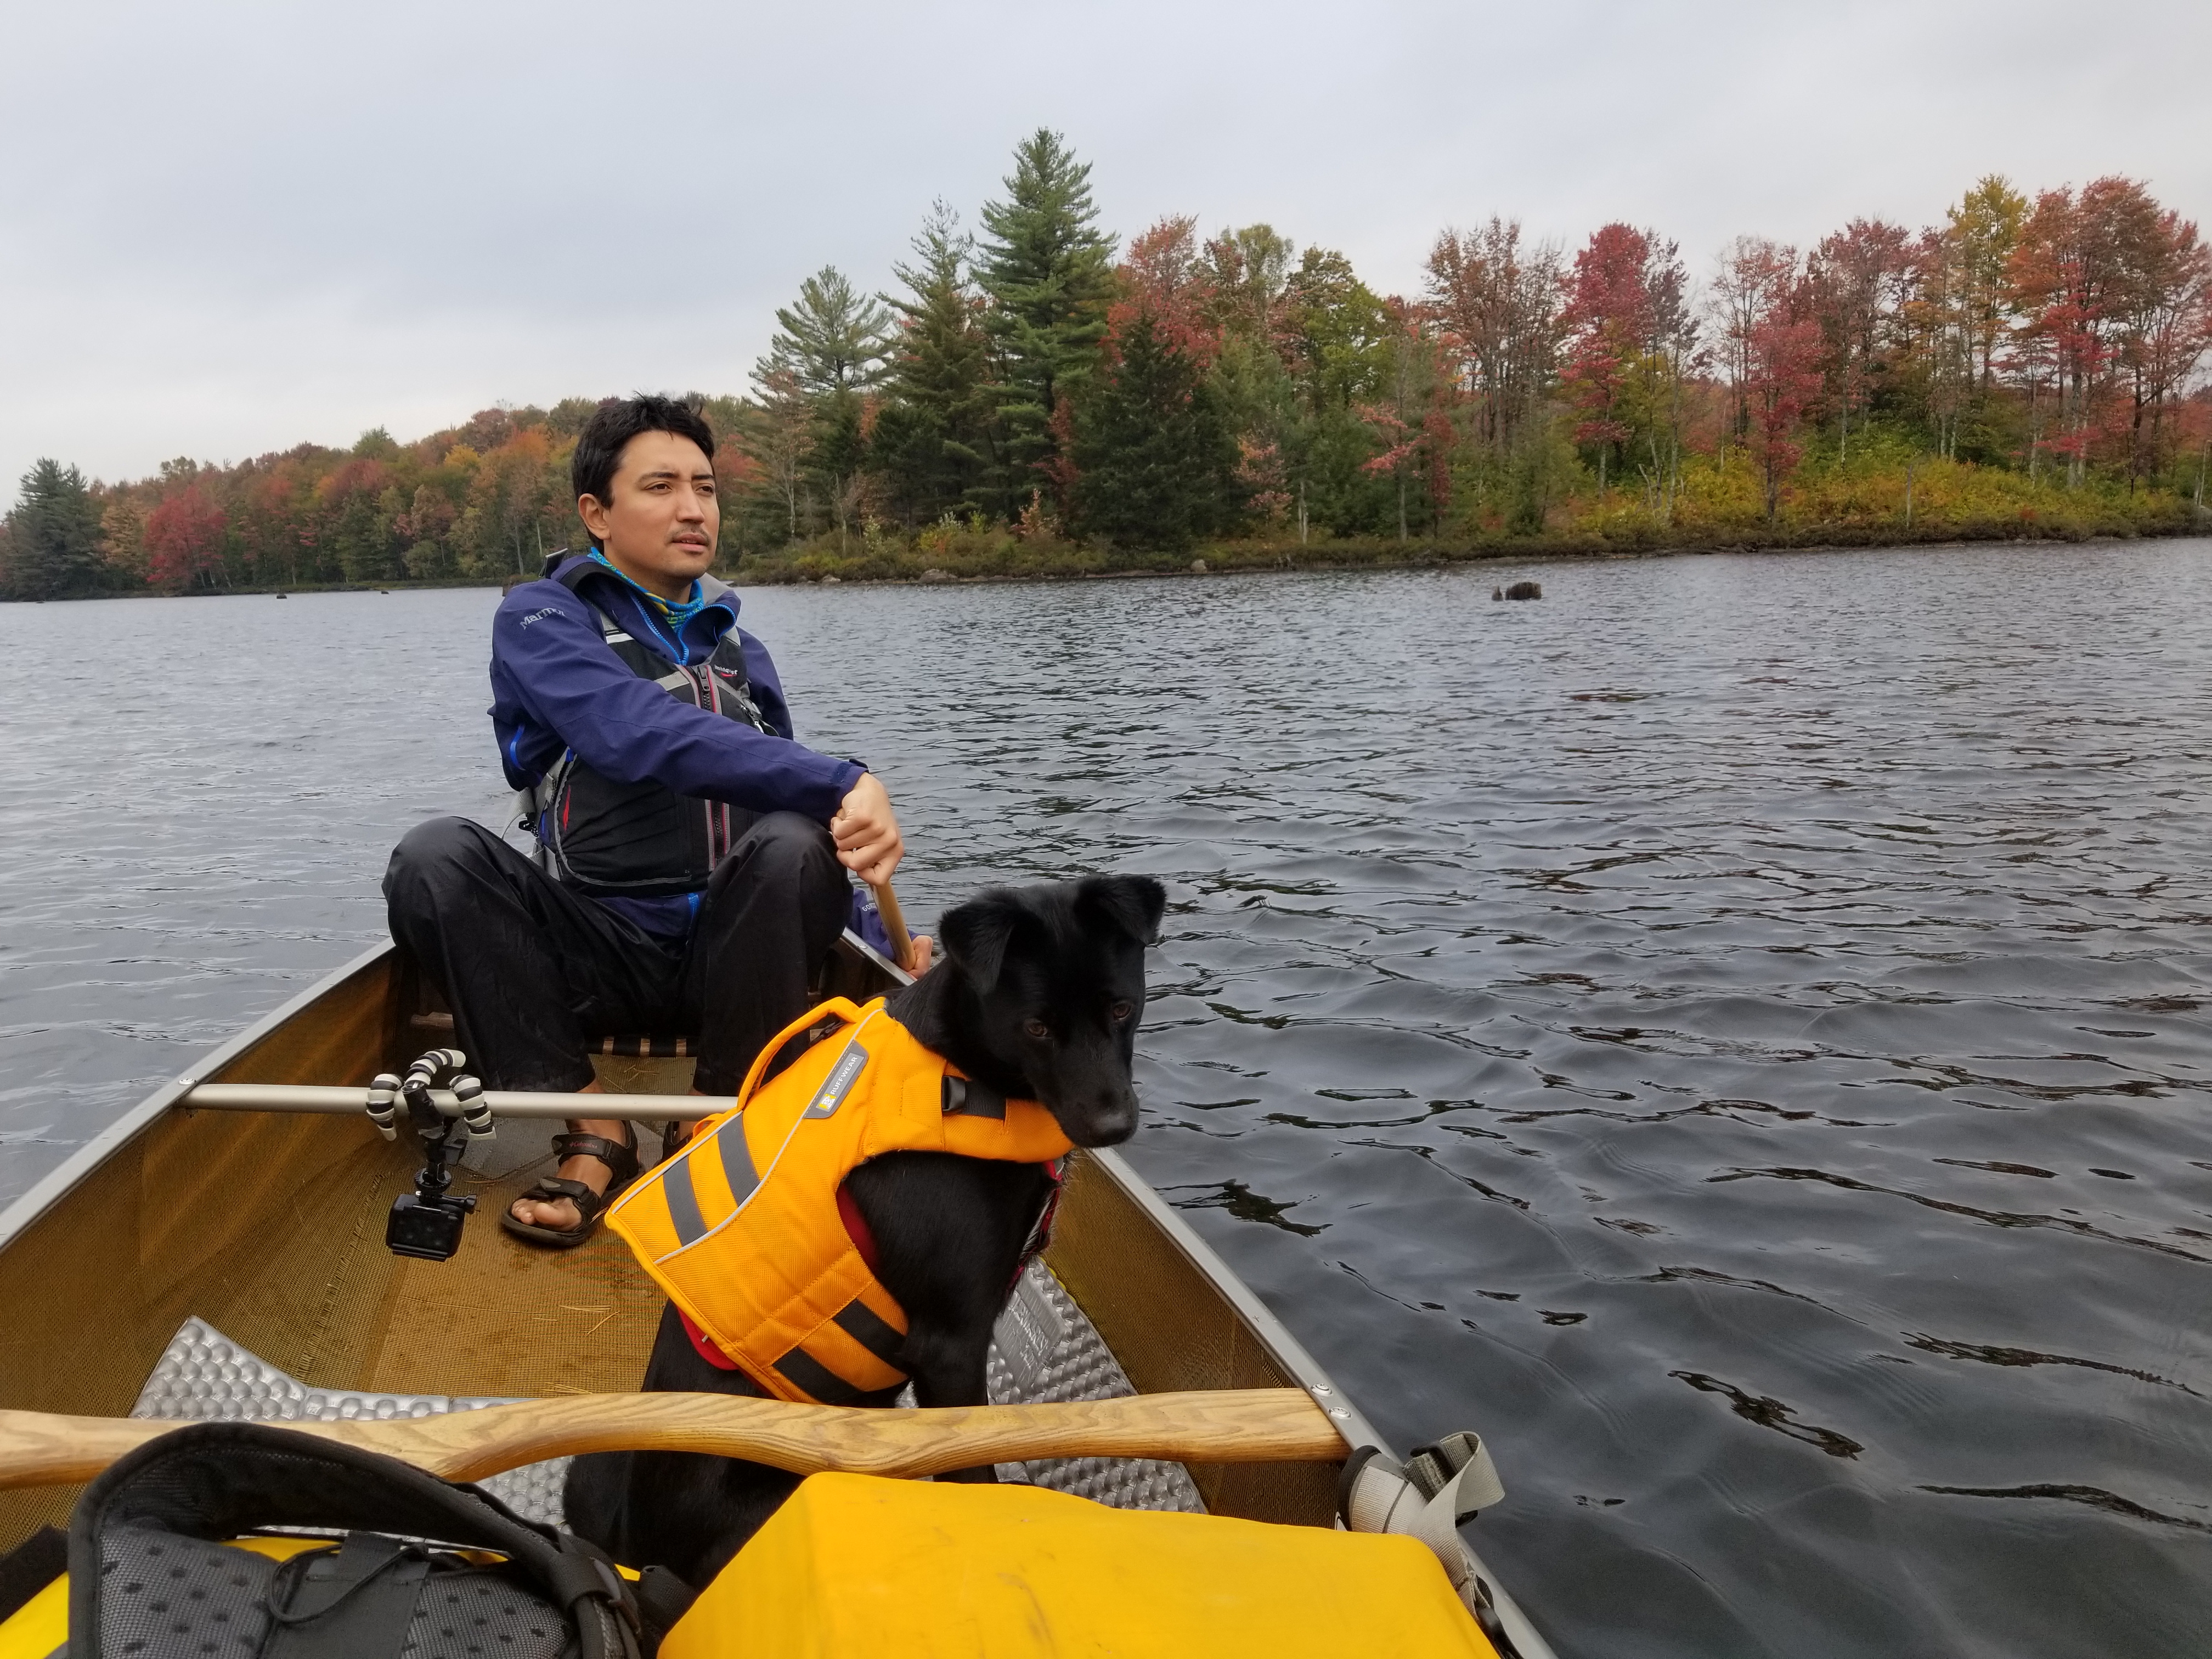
(1041, 1230)
(856, 1228)
(704, 1345)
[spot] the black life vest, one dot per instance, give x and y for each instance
(643, 840)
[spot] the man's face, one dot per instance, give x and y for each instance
(659, 528)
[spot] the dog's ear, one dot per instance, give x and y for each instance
(1132, 903)
(975, 935)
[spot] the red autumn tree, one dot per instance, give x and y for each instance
(1858, 280)
(1772, 346)
(1495, 303)
(1165, 275)
(1606, 325)
(2116, 295)
(2065, 276)
(1630, 346)
(184, 539)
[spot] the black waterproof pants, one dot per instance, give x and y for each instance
(535, 972)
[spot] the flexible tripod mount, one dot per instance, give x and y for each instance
(427, 1223)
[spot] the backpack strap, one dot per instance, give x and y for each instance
(353, 1602)
(212, 1481)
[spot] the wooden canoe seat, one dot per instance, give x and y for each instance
(645, 1048)
(645, 1062)
(439, 1028)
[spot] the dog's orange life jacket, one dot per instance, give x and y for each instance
(741, 1226)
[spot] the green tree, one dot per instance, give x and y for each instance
(1049, 271)
(1337, 345)
(1155, 466)
(1249, 271)
(837, 457)
(1953, 330)
(367, 551)
(934, 439)
(1982, 232)
(832, 341)
(1260, 402)
(52, 545)
(1498, 304)
(123, 539)
(780, 441)
(567, 419)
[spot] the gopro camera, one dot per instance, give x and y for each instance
(426, 1223)
(426, 1228)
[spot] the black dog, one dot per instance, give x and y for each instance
(1038, 996)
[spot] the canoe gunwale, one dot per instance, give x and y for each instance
(1285, 1349)
(58, 1183)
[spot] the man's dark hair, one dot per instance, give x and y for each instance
(615, 422)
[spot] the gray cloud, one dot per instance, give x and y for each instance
(225, 229)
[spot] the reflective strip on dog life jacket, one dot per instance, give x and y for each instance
(741, 1228)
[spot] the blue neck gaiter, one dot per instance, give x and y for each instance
(677, 613)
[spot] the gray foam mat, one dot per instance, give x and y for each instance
(203, 1376)
(1044, 1349)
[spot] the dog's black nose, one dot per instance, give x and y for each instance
(1107, 1123)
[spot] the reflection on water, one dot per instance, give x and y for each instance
(1734, 1031)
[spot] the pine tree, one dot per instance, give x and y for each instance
(53, 537)
(833, 340)
(1155, 465)
(1047, 269)
(836, 454)
(934, 439)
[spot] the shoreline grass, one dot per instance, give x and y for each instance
(1054, 562)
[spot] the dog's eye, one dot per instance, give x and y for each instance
(1036, 1029)
(1120, 1012)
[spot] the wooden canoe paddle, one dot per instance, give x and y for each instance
(1230, 1425)
(887, 907)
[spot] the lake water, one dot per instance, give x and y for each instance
(1734, 1032)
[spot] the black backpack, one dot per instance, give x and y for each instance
(150, 1578)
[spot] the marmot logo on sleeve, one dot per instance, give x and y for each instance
(540, 616)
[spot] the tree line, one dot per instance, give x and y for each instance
(1036, 380)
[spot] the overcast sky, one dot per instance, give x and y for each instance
(228, 228)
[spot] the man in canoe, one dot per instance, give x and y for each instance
(690, 874)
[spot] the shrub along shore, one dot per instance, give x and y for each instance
(1062, 561)
(1058, 561)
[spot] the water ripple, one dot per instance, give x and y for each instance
(1734, 1032)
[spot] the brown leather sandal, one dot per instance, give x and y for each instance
(674, 1133)
(622, 1167)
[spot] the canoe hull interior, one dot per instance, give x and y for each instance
(271, 1227)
